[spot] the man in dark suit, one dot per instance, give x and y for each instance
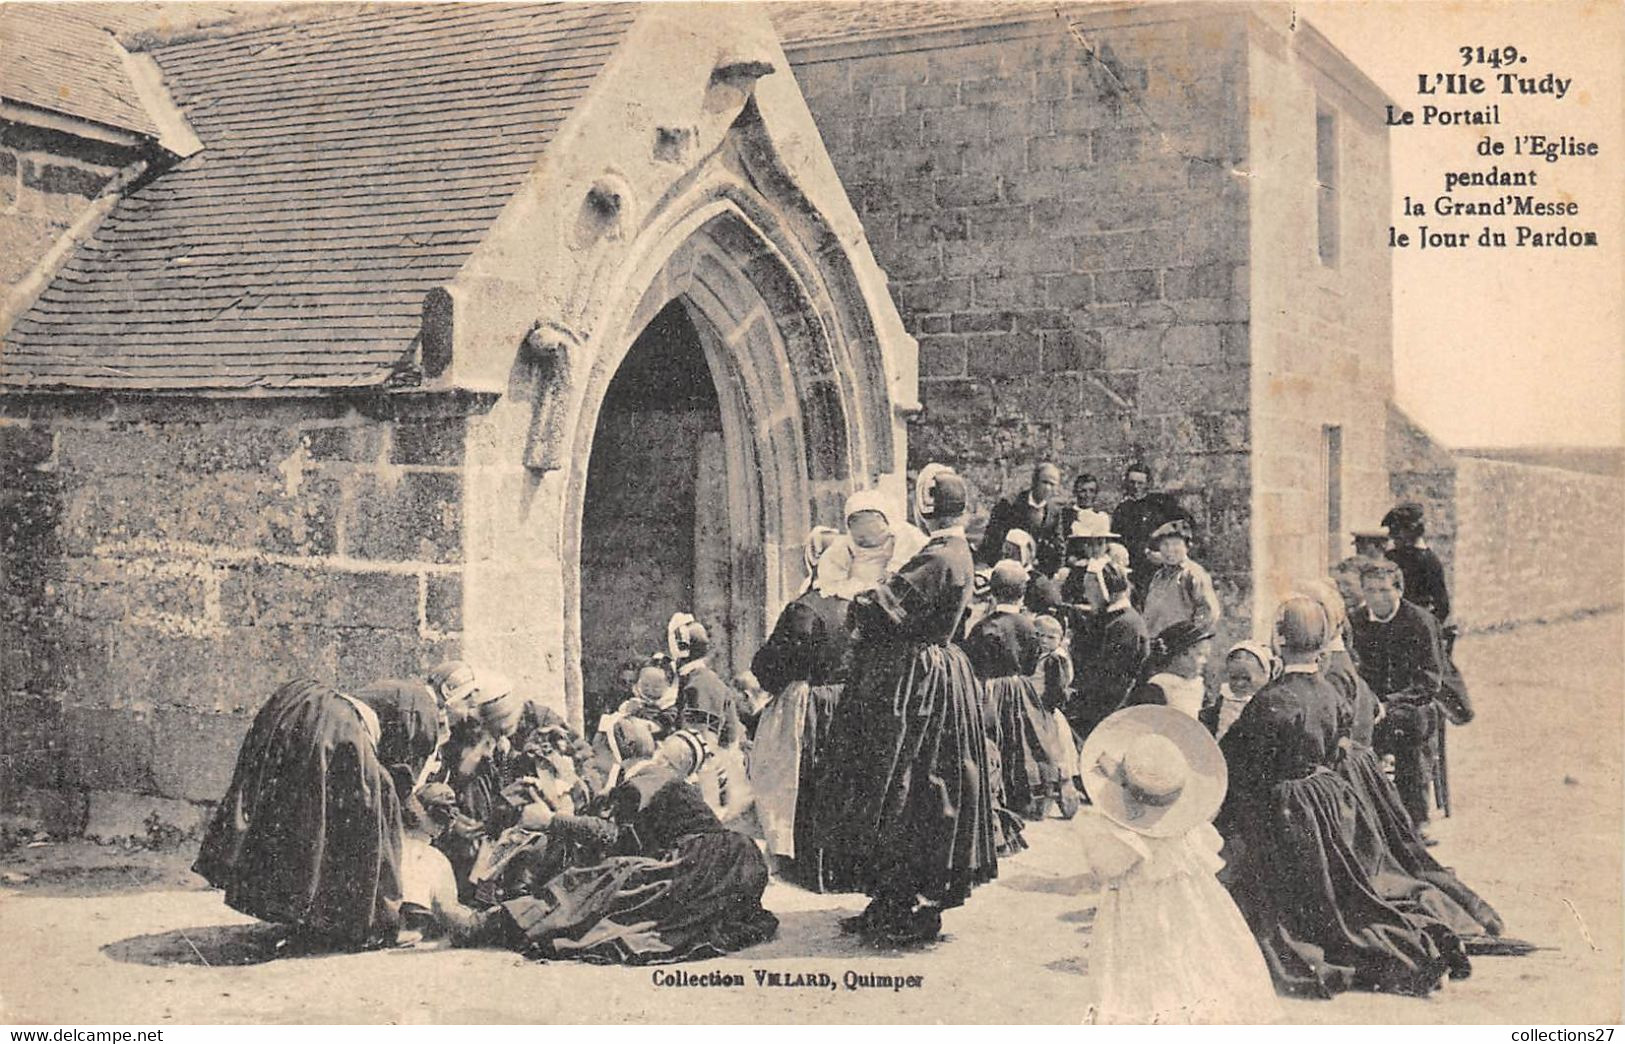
(1109, 644)
(1397, 646)
(1139, 515)
(1424, 573)
(1035, 510)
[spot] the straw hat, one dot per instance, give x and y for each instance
(1154, 770)
(1092, 525)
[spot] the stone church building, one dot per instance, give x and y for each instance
(341, 340)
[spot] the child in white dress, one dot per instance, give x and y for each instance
(1169, 945)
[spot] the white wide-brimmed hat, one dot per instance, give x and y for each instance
(1092, 525)
(1154, 770)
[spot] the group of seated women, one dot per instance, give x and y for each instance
(454, 807)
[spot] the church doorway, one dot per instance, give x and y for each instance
(656, 531)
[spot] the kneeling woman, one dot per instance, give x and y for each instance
(1293, 826)
(675, 884)
(309, 832)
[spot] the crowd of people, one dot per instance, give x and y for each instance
(913, 710)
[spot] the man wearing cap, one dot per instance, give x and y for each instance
(1370, 544)
(1180, 589)
(1139, 515)
(905, 802)
(1035, 510)
(1396, 646)
(1424, 573)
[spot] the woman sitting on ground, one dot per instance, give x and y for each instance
(674, 883)
(1396, 840)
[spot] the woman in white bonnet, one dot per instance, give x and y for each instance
(873, 545)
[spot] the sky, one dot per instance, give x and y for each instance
(1504, 347)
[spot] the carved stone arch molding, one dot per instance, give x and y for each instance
(692, 172)
(800, 400)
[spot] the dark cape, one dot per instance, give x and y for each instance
(673, 884)
(905, 802)
(1396, 838)
(808, 643)
(1294, 829)
(1004, 651)
(309, 831)
(1424, 579)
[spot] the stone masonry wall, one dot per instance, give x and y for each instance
(1055, 211)
(163, 569)
(1322, 327)
(1534, 543)
(1520, 543)
(46, 180)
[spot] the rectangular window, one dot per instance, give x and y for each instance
(1331, 444)
(1326, 177)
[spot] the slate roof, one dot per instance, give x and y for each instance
(808, 22)
(350, 165)
(61, 57)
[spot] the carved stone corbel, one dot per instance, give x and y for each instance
(546, 358)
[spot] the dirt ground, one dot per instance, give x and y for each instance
(102, 935)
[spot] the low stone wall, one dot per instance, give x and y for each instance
(1520, 543)
(1534, 543)
(163, 569)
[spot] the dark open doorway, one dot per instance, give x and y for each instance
(655, 537)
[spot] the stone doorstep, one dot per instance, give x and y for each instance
(107, 816)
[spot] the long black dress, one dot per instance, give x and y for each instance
(1003, 648)
(802, 664)
(1108, 652)
(1397, 838)
(905, 802)
(309, 831)
(674, 884)
(1291, 825)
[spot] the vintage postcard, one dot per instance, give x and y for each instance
(910, 511)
